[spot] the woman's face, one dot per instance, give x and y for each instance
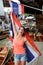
(21, 31)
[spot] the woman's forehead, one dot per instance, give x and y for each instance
(21, 28)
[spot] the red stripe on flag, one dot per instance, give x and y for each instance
(27, 35)
(22, 8)
(11, 38)
(16, 20)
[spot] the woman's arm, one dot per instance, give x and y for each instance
(28, 44)
(14, 27)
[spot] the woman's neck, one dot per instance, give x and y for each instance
(19, 36)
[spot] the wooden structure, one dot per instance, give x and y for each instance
(10, 61)
(4, 35)
(3, 54)
(39, 22)
(39, 37)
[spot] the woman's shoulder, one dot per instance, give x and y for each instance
(15, 36)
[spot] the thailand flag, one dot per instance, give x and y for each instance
(31, 54)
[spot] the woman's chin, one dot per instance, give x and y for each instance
(20, 34)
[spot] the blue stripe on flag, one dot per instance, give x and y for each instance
(29, 55)
(15, 7)
(11, 29)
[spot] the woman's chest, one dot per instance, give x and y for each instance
(18, 41)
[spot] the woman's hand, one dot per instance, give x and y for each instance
(40, 54)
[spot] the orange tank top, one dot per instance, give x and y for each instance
(18, 45)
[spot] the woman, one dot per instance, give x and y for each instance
(18, 45)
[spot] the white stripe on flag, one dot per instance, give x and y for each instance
(17, 27)
(11, 33)
(17, 1)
